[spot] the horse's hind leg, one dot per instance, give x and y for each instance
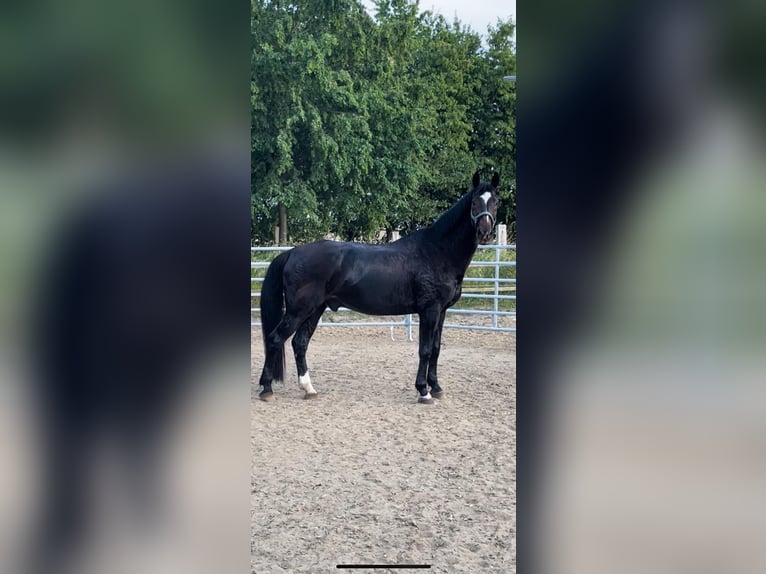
(273, 368)
(300, 345)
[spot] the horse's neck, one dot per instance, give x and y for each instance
(465, 245)
(458, 242)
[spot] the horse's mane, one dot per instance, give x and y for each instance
(452, 216)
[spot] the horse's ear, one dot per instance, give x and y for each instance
(476, 179)
(496, 179)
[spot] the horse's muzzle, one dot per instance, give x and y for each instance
(485, 231)
(486, 239)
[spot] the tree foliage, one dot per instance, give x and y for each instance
(363, 123)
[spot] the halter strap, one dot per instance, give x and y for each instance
(474, 218)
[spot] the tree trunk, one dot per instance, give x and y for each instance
(282, 224)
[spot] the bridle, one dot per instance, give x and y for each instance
(475, 218)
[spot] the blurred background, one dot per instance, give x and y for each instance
(641, 316)
(124, 363)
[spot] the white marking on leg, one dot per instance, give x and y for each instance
(305, 383)
(485, 196)
(426, 396)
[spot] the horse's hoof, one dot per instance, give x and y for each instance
(425, 400)
(437, 394)
(266, 396)
(309, 396)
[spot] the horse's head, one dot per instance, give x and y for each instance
(484, 201)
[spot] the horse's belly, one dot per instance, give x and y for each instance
(363, 303)
(372, 299)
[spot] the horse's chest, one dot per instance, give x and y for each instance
(456, 291)
(446, 290)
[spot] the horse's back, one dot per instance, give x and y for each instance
(325, 256)
(314, 259)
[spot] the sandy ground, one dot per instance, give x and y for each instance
(364, 474)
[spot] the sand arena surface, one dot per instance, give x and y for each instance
(364, 474)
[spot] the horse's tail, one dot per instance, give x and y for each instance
(272, 311)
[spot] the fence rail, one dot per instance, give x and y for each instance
(493, 291)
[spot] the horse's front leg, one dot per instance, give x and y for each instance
(428, 322)
(432, 379)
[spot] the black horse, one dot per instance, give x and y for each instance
(421, 273)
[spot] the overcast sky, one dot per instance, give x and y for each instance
(476, 13)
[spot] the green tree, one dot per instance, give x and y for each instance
(449, 66)
(493, 115)
(362, 124)
(310, 140)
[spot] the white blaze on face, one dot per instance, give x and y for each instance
(305, 384)
(485, 196)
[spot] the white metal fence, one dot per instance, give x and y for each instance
(474, 288)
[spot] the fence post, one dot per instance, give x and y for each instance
(408, 325)
(497, 285)
(502, 234)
